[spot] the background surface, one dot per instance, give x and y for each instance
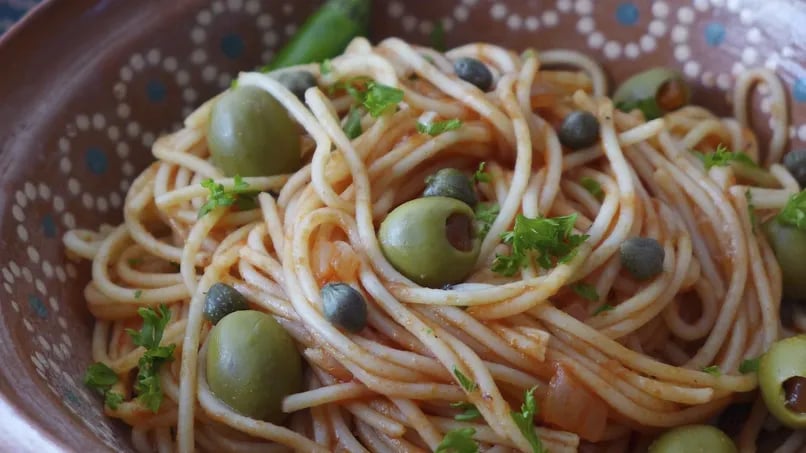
(12, 10)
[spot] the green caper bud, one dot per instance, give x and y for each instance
(431, 240)
(344, 306)
(795, 162)
(655, 92)
(297, 82)
(579, 129)
(642, 257)
(782, 380)
(251, 134)
(789, 245)
(221, 300)
(451, 183)
(252, 364)
(693, 439)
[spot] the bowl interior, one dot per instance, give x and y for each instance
(87, 86)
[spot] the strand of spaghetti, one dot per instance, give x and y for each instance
(778, 110)
(560, 57)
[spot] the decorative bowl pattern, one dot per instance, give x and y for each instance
(87, 86)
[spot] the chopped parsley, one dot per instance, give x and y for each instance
(794, 213)
(592, 186)
(486, 214)
(722, 158)
(749, 366)
(437, 37)
(464, 381)
(586, 291)
(326, 66)
(469, 411)
(352, 127)
(458, 441)
(439, 127)
(602, 309)
(240, 195)
(375, 97)
(134, 261)
(713, 370)
(525, 421)
(100, 377)
(147, 384)
(480, 175)
(751, 209)
(138, 293)
(551, 238)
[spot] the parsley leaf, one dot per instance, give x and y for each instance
(592, 186)
(794, 213)
(525, 421)
(469, 411)
(239, 195)
(551, 238)
(458, 441)
(439, 127)
(465, 381)
(376, 97)
(352, 127)
(326, 66)
(437, 37)
(147, 384)
(138, 293)
(586, 291)
(722, 158)
(134, 261)
(751, 209)
(486, 214)
(713, 370)
(749, 366)
(113, 399)
(603, 308)
(100, 377)
(480, 175)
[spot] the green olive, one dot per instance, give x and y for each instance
(655, 92)
(251, 134)
(430, 240)
(642, 257)
(252, 364)
(451, 183)
(297, 82)
(693, 439)
(344, 306)
(782, 380)
(221, 300)
(795, 162)
(579, 129)
(789, 245)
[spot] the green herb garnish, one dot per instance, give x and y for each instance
(438, 127)
(147, 384)
(138, 293)
(592, 186)
(325, 67)
(751, 209)
(352, 127)
(551, 238)
(378, 98)
(480, 175)
(586, 291)
(486, 214)
(458, 441)
(713, 370)
(134, 261)
(464, 381)
(469, 411)
(722, 158)
(437, 37)
(525, 421)
(794, 213)
(100, 377)
(749, 366)
(603, 308)
(240, 195)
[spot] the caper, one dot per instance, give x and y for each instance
(782, 380)
(252, 364)
(642, 257)
(789, 245)
(344, 306)
(430, 240)
(655, 92)
(474, 71)
(579, 129)
(221, 300)
(795, 162)
(297, 82)
(693, 439)
(451, 183)
(251, 134)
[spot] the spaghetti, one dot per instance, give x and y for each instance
(607, 373)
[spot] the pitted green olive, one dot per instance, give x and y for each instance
(252, 364)
(782, 380)
(789, 245)
(693, 439)
(451, 183)
(251, 134)
(431, 240)
(655, 92)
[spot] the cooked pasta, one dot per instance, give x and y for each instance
(612, 360)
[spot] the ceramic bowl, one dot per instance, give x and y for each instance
(87, 85)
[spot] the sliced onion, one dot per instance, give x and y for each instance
(571, 407)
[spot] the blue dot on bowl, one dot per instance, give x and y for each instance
(232, 45)
(799, 90)
(155, 90)
(714, 34)
(627, 13)
(96, 161)
(38, 306)
(49, 226)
